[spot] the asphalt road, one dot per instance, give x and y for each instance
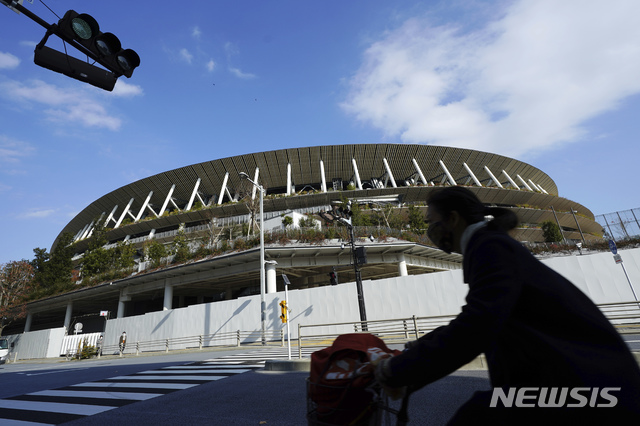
(252, 397)
(248, 395)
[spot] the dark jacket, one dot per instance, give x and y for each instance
(535, 328)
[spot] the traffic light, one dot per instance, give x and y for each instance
(283, 309)
(333, 278)
(105, 48)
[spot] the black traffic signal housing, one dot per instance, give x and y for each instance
(333, 277)
(105, 48)
(283, 310)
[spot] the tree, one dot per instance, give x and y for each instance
(417, 219)
(16, 279)
(53, 272)
(551, 232)
(287, 221)
(155, 251)
(180, 247)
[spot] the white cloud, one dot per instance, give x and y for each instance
(62, 104)
(196, 33)
(186, 56)
(12, 150)
(211, 65)
(8, 61)
(124, 89)
(38, 214)
(232, 50)
(520, 84)
(243, 75)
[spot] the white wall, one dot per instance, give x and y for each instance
(433, 294)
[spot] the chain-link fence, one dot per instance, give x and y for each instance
(620, 225)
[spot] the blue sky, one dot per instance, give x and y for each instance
(555, 84)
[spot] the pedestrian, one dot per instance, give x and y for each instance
(540, 334)
(122, 342)
(99, 345)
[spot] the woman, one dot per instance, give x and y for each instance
(536, 329)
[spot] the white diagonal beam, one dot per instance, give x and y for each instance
(124, 213)
(493, 178)
(106, 222)
(422, 178)
(193, 194)
(533, 185)
(511, 181)
(386, 166)
(166, 200)
(254, 188)
(224, 188)
(475, 179)
(355, 171)
(79, 234)
(452, 181)
(144, 206)
(87, 230)
(526, 185)
(322, 177)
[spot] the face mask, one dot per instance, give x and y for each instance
(441, 236)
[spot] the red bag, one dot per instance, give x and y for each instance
(340, 377)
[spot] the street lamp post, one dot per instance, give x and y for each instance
(356, 267)
(245, 176)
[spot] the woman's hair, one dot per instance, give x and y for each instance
(467, 204)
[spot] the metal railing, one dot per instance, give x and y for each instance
(625, 317)
(397, 330)
(231, 338)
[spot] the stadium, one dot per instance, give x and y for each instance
(210, 203)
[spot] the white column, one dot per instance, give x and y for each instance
(123, 298)
(27, 324)
(67, 317)
(271, 277)
(355, 171)
(288, 179)
(168, 297)
(402, 266)
(322, 177)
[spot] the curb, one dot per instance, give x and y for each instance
(303, 364)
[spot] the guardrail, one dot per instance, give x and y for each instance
(231, 338)
(400, 329)
(624, 316)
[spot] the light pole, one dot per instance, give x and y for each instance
(245, 176)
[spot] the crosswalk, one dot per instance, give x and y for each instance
(55, 406)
